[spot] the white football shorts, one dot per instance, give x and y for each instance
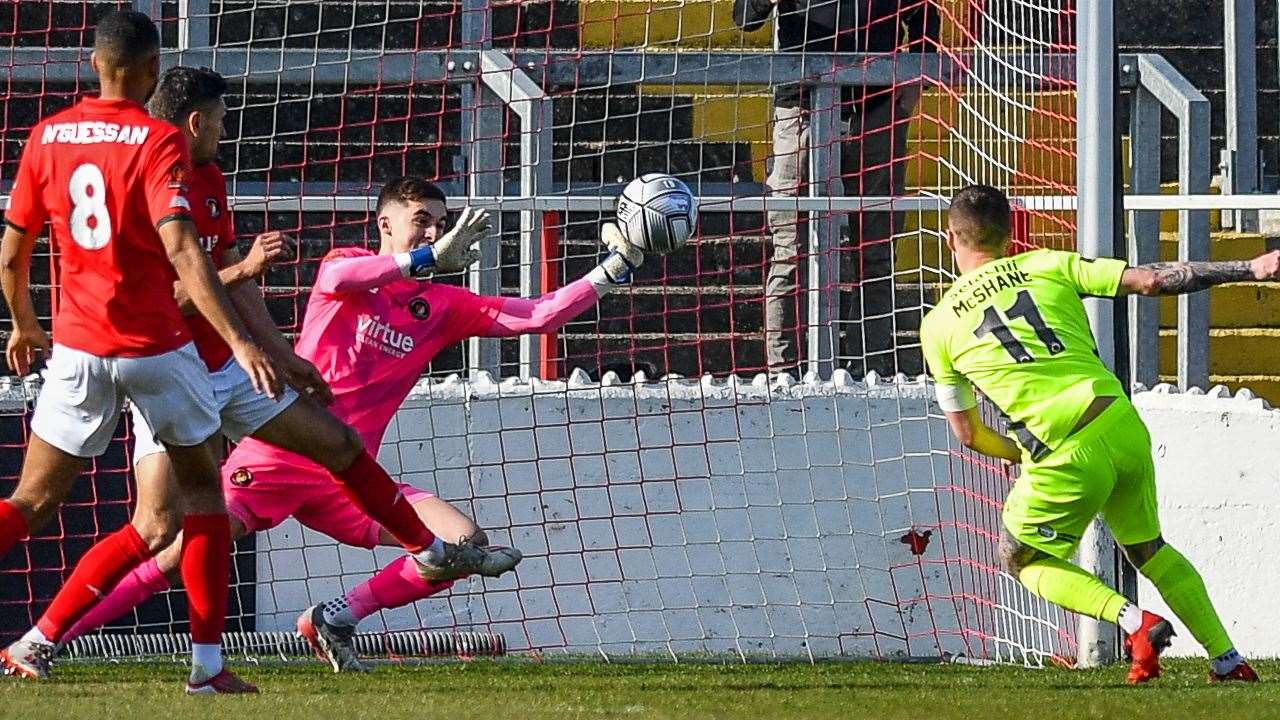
(241, 408)
(82, 396)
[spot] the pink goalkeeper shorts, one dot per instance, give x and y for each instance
(263, 496)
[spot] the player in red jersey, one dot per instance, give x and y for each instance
(191, 100)
(110, 180)
(372, 326)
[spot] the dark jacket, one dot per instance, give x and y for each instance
(844, 26)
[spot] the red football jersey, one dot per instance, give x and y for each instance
(106, 175)
(207, 192)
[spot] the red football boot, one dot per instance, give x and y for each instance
(224, 683)
(1144, 647)
(1241, 673)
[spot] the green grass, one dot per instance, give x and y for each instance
(557, 691)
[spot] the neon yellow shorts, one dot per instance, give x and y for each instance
(1104, 468)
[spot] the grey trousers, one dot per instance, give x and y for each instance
(873, 162)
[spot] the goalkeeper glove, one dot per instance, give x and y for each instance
(619, 264)
(451, 253)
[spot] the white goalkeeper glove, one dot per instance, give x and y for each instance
(452, 253)
(619, 264)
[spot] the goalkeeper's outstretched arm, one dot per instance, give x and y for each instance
(519, 316)
(1176, 278)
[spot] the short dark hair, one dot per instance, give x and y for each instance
(184, 90)
(987, 209)
(409, 188)
(124, 38)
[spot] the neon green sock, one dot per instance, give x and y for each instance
(1070, 587)
(1183, 591)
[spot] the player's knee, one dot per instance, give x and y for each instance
(1014, 556)
(158, 528)
(342, 449)
(1140, 553)
(350, 446)
(1009, 560)
(37, 508)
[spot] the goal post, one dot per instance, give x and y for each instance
(1100, 233)
(671, 498)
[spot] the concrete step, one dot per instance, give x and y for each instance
(621, 113)
(727, 113)
(359, 24)
(620, 162)
(1237, 306)
(693, 356)
(922, 241)
(665, 24)
(1224, 245)
(1232, 351)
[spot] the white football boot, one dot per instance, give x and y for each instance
(28, 659)
(466, 558)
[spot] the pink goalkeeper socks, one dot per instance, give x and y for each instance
(143, 582)
(395, 585)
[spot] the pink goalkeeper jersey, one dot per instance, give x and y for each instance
(371, 333)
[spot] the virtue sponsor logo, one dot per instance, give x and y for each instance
(90, 132)
(371, 329)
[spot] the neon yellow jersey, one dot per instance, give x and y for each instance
(1016, 329)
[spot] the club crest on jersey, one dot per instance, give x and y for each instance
(419, 309)
(241, 477)
(178, 177)
(215, 211)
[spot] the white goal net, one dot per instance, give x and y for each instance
(720, 512)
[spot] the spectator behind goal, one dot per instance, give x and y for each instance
(874, 123)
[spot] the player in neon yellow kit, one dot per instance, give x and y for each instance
(1015, 328)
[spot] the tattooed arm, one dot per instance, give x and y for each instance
(1176, 278)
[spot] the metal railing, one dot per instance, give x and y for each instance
(1160, 86)
(495, 80)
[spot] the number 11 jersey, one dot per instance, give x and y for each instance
(106, 176)
(1016, 329)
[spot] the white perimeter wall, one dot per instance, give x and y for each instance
(1217, 459)
(1218, 474)
(686, 516)
(855, 455)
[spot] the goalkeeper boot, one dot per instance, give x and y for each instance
(334, 644)
(224, 683)
(1240, 673)
(466, 558)
(28, 659)
(1144, 647)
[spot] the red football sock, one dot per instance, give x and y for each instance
(13, 527)
(206, 571)
(96, 574)
(372, 490)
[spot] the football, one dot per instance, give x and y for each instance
(657, 213)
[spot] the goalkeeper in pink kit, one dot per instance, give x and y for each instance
(372, 326)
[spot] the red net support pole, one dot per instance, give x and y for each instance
(1020, 228)
(548, 363)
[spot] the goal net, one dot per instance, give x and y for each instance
(671, 498)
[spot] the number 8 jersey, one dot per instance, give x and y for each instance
(1016, 329)
(106, 175)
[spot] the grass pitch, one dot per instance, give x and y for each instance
(557, 691)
